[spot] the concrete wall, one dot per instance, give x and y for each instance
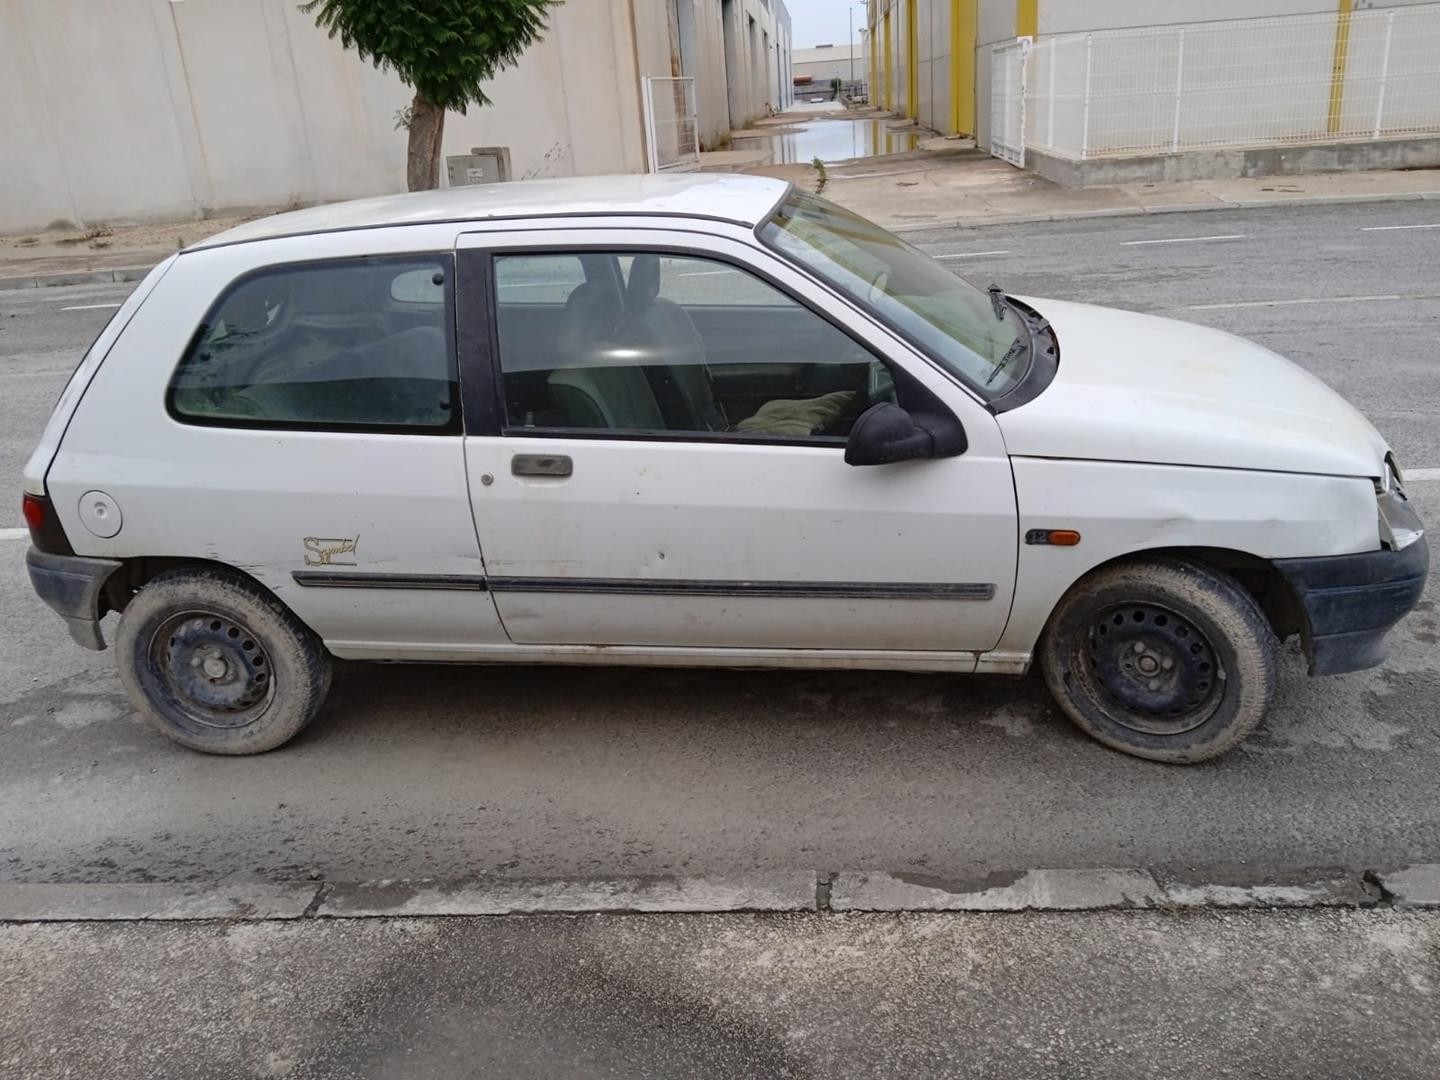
(936, 105)
(831, 62)
(737, 77)
(934, 96)
(154, 110)
(1194, 88)
(983, 23)
(1068, 16)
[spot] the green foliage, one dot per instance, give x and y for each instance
(822, 174)
(444, 49)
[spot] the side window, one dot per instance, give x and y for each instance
(354, 345)
(650, 343)
(538, 279)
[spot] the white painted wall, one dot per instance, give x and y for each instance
(997, 23)
(831, 62)
(1233, 84)
(936, 107)
(1068, 16)
(153, 110)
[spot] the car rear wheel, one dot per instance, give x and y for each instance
(1161, 658)
(217, 664)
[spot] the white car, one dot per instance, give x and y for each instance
(702, 421)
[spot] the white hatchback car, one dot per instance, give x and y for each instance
(693, 421)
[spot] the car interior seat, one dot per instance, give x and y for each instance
(597, 383)
(664, 330)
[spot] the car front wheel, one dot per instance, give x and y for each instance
(1161, 658)
(218, 664)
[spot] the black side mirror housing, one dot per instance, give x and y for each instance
(886, 433)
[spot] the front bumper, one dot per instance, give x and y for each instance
(72, 585)
(1350, 602)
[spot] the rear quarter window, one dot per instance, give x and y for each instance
(350, 345)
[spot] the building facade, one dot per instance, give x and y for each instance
(930, 59)
(827, 62)
(168, 109)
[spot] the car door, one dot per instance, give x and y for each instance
(294, 412)
(631, 491)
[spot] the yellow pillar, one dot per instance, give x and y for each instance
(912, 60)
(1339, 64)
(964, 32)
(1027, 18)
(889, 61)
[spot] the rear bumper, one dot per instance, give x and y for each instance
(72, 586)
(1350, 602)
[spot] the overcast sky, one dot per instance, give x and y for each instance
(823, 22)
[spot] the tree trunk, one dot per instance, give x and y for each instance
(427, 129)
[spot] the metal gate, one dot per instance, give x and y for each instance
(672, 125)
(1008, 71)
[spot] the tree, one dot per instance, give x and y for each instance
(443, 49)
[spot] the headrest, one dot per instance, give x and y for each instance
(644, 283)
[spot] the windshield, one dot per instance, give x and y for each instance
(945, 315)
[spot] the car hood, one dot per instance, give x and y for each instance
(1141, 388)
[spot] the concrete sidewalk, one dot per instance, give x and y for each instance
(937, 187)
(1117, 995)
(102, 253)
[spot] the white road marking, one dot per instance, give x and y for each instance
(14, 534)
(1314, 300)
(1397, 228)
(89, 307)
(969, 255)
(1181, 240)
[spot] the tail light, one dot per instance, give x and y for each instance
(46, 532)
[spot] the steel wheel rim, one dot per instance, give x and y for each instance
(1157, 670)
(213, 668)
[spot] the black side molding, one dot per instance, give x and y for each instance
(838, 590)
(325, 579)
(841, 590)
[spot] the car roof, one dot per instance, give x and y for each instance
(743, 200)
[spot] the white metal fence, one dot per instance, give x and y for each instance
(1247, 83)
(1007, 101)
(672, 125)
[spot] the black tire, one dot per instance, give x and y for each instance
(1161, 658)
(219, 665)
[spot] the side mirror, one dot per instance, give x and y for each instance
(886, 433)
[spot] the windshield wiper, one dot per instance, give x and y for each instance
(1018, 348)
(998, 302)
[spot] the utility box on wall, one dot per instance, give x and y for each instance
(483, 165)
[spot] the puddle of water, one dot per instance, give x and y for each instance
(831, 140)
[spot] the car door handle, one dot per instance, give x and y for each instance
(541, 465)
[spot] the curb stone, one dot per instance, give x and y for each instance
(158, 902)
(792, 891)
(1412, 887)
(1033, 890)
(1326, 892)
(1040, 890)
(119, 274)
(1180, 208)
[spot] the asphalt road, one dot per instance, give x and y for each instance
(453, 772)
(1117, 996)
